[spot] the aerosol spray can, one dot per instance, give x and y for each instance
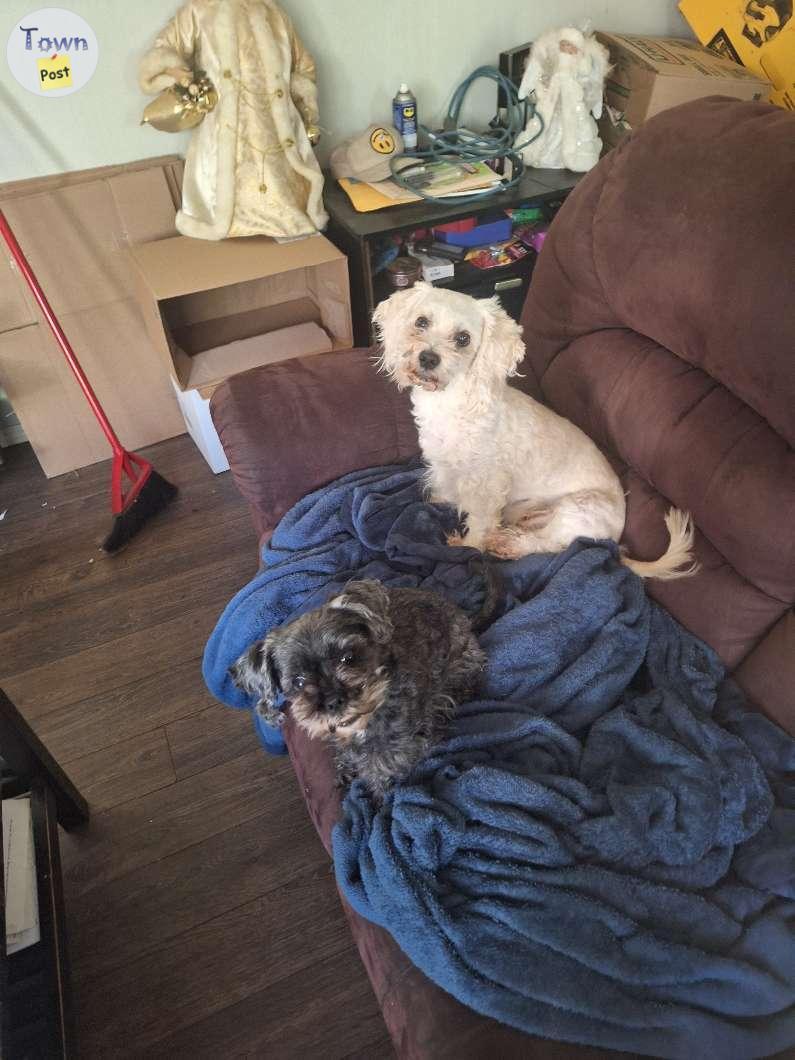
(404, 116)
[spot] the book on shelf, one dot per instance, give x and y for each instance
(19, 875)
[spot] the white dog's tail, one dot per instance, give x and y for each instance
(679, 552)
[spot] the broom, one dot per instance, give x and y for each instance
(146, 493)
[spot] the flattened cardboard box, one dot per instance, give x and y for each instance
(76, 230)
(76, 238)
(758, 34)
(172, 165)
(652, 74)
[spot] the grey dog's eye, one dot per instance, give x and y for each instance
(462, 339)
(421, 323)
(347, 658)
(299, 682)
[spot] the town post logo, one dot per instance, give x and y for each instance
(52, 52)
(54, 73)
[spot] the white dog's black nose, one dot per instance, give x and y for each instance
(428, 360)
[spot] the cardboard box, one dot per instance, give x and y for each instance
(435, 268)
(651, 74)
(278, 345)
(34, 383)
(76, 238)
(216, 309)
(172, 166)
(203, 301)
(759, 34)
(76, 230)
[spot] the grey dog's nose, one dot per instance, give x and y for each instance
(428, 360)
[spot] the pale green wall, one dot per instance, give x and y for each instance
(363, 48)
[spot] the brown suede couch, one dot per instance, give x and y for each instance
(661, 320)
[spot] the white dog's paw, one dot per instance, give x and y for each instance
(455, 540)
(506, 542)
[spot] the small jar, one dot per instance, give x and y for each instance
(404, 271)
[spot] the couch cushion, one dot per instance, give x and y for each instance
(657, 322)
(684, 233)
(690, 442)
(693, 245)
(291, 427)
(767, 675)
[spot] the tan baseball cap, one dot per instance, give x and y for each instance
(366, 156)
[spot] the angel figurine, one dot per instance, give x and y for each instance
(566, 70)
(250, 168)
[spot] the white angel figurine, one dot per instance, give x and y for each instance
(250, 168)
(566, 71)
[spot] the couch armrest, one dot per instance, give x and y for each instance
(290, 427)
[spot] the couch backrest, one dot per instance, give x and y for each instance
(661, 319)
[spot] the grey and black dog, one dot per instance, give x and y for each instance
(377, 671)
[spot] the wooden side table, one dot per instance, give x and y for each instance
(35, 1009)
(356, 234)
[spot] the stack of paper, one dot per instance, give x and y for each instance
(439, 179)
(452, 177)
(368, 197)
(19, 863)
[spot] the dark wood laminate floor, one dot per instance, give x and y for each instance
(203, 917)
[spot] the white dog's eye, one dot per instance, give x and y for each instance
(462, 339)
(421, 323)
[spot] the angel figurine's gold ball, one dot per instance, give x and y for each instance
(181, 107)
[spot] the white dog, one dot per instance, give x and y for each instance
(527, 479)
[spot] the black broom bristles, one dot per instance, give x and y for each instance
(152, 497)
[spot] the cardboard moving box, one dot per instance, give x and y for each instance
(759, 34)
(652, 74)
(201, 298)
(214, 309)
(279, 345)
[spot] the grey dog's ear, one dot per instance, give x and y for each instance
(256, 671)
(369, 599)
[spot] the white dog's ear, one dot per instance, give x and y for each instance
(501, 348)
(386, 322)
(387, 311)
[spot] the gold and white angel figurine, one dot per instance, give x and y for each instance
(250, 168)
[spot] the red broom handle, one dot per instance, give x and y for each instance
(57, 331)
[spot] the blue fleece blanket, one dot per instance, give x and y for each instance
(603, 849)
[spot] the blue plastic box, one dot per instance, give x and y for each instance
(493, 232)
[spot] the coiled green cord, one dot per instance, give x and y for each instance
(452, 145)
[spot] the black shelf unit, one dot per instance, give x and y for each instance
(35, 1004)
(355, 234)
